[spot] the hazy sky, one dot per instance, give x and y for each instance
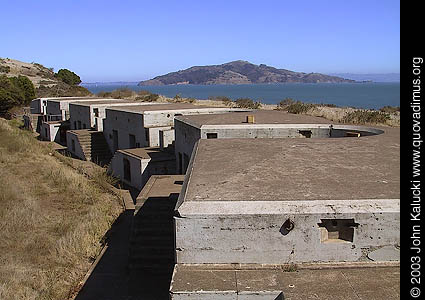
(136, 40)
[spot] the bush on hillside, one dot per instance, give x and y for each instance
(4, 69)
(366, 116)
(390, 109)
(122, 93)
(62, 90)
(226, 100)
(148, 98)
(247, 103)
(283, 104)
(68, 77)
(15, 91)
(294, 107)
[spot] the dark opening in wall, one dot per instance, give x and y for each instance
(212, 135)
(127, 171)
(337, 230)
(147, 135)
(180, 163)
(305, 133)
(132, 141)
(185, 162)
(352, 134)
(73, 145)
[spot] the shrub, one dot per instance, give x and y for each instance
(143, 93)
(390, 109)
(296, 107)
(122, 93)
(283, 104)
(247, 103)
(62, 90)
(15, 91)
(226, 100)
(151, 98)
(25, 85)
(178, 98)
(327, 105)
(103, 94)
(68, 77)
(365, 116)
(5, 69)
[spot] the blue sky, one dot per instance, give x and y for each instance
(136, 40)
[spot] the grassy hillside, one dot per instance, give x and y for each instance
(52, 219)
(45, 80)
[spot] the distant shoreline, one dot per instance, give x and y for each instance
(361, 95)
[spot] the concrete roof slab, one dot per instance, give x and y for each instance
(296, 169)
(260, 116)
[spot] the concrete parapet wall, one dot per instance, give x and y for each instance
(187, 133)
(166, 138)
(73, 145)
(137, 167)
(255, 231)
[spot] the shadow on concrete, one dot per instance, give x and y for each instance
(152, 254)
(144, 273)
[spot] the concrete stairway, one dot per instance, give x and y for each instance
(152, 237)
(94, 146)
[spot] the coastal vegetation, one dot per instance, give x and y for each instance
(126, 93)
(247, 103)
(387, 115)
(366, 117)
(52, 218)
(46, 82)
(68, 77)
(15, 91)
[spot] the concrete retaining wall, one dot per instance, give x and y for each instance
(187, 134)
(73, 145)
(254, 231)
(80, 116)
(166, 138)
(125, 123)
(50, 131)
(140, 169)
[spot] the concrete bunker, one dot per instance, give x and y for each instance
(346, 204)
(267, 125)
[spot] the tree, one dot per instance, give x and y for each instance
(25, 86)
(15, 91)
(68, 77)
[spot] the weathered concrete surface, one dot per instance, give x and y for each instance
(341, 196)
(92, 113)
(143, 162)
(387, 253)
(299, 169)
(209, 282)
(251, 232)
(268, 124)
(135, 120)
(159, 186)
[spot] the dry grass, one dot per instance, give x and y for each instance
(52, 219)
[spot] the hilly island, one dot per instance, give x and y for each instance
(239, 72)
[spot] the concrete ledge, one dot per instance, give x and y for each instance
(202, 282)
(216, 208)
(256, 232)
